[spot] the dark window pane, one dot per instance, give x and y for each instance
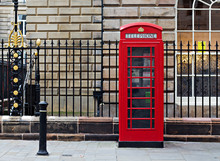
(215, 20)
(153, 124)
(153, 72)
(140, 123)
(199, 83)
(184, 20)
(140, 92)
(129, 72)
(153, 114)
(142, 103)
(184, 86)
(129, 62)
(214, 85)
(153, 93)
(153, 103)
(216, 5)
(153, 62)
(129, 113)
(140, 82)
(129, 104)
(140, 113)
(201, 20)
(199, 4)
(140, 51)
(23, 17)
(129, 94)
(140, 72)
(206, 86)
(185, 3)
(153, 82)
(128, 51)
(129, 124)
(145, 62)
(153, 51)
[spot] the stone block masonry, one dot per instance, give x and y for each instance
(81, 20)
(74, 17)
(104, 129)
(62, 19)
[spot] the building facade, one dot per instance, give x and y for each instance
(88, 21)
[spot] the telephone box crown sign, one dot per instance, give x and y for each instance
(141, 29)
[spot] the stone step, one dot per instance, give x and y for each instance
(104, 137)
(193, 138)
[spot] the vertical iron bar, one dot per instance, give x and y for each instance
(45, 69)
(181, 80)
(210, 110)
(174, 63)
(66, 76)
(37, 82)
(31, 105)
(3, 78)
(116, 82)
(188, 78)
(102, 43)
(109, 81)
(80, 76)
(88, 78)
(202, 79)
(95, 77)
(217, 79)
(59, 73)
(8, 78)
(22, 79)
(73, 77)
(16, 14)
(195, 85)
(52, 80)
(166, 79)
(35, 65)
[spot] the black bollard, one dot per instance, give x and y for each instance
(43, 129)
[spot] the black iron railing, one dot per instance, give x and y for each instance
(80, 78)
(195, 80)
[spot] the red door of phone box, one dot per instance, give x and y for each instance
(141, 74)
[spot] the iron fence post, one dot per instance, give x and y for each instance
(43, 129)
(37, 79)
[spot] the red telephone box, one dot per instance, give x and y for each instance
(141, 74)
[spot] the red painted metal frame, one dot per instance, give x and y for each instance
(141, 134)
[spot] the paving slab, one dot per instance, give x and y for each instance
(20, 150)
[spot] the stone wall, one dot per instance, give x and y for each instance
(63, 19)
(6, 17)
(104, 129)
(122, 12)
(81, 20)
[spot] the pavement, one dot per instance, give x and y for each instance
(19, 150)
